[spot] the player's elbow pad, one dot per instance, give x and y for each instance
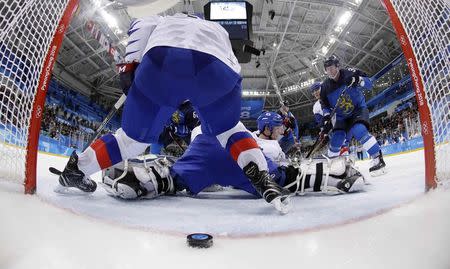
(366, 82)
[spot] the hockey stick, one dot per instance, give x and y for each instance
(172, 135)
(320, 139)
(107, 119)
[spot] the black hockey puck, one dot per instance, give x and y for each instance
(199, 240)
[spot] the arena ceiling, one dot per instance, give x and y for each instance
(295, 40)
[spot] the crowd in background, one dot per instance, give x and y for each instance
(398, 127)
(57, 122)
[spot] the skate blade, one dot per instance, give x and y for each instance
(70, 191)
(378, 172)
(283, 207)
(108, 189)
(213, 188)
(366, 181)
(329, 190)
(358, 185)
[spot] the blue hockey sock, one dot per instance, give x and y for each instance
(369, 142)
(337, 138)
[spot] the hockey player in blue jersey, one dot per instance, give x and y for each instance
(178, 129)
(342, 91)
(168, 60)
(206, 163)
(319, 118)
(290, 136)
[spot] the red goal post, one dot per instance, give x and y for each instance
(423, 30)
(31, 34)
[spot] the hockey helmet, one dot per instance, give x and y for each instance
(332, 60)
(315, 86)
(270, 119)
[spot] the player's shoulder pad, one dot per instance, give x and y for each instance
(348, 71)
(355, 71)
(138, 23)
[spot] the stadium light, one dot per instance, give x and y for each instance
(345, 18)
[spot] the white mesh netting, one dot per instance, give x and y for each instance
(26, 31)
(427, 25)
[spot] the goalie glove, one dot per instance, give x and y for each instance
(126, 75)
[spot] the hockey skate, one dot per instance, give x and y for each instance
(269, 190)
(73, 177)
(378, 166)
(139, 178)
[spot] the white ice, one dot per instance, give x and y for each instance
(390, 225)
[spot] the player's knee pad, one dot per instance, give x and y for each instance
(225, 136)
(239, 142)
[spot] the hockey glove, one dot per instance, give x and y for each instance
(327, 126)
(126, 75)
(353, 80)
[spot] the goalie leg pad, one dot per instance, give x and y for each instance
(156, 172)
(335, 166)
(139, 178)
(128, 187)
(331, 176)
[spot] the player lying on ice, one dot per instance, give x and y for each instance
(169, 60)
(206, 163)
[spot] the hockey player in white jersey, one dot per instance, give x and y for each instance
(168, 60)
(317, 107)
(206, 163)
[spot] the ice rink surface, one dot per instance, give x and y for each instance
(389, 225)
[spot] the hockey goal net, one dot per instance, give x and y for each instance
(31, 32)
(423, 30)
